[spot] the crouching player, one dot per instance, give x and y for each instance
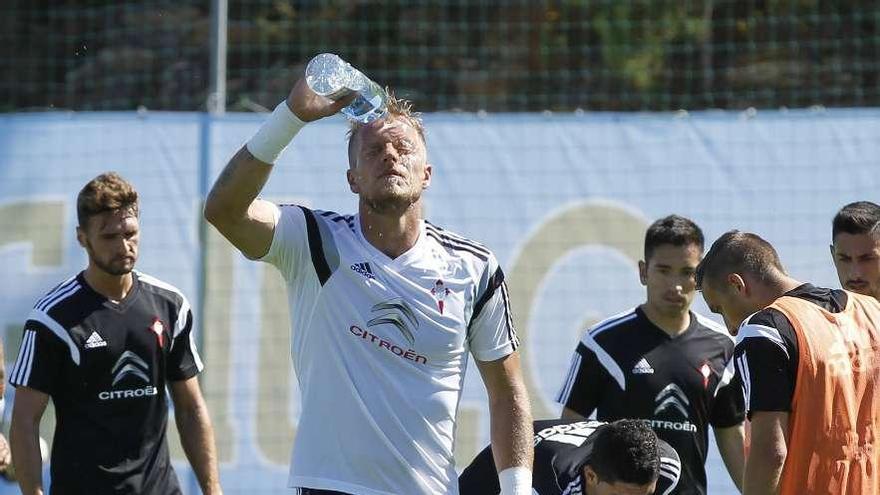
(587, 458)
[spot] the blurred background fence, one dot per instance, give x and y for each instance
(470, 55)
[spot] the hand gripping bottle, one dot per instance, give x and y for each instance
(330, 76)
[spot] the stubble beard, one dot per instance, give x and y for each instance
(108, 267)
(392, 204)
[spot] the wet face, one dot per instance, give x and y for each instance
(390, 169)
(596, 486)
(731, 301)
(857, 259)
(111, 241)
(668, 277)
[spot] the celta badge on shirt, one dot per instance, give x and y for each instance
(158, 328)
(440, 292)
(706, 372)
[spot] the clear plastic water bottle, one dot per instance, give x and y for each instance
(330, 76)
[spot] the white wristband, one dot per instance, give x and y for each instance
(275, 134)
(515, 480)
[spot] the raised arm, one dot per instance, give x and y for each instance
(232, 205)
(510, 423)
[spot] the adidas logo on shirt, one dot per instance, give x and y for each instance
(364, 269)
(94, 341)
(642, 368)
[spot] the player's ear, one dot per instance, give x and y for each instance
(737, 283)
(81, 236)
(643, 272)
(352, 180)
(426, 179)
(590, 476)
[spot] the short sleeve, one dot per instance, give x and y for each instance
(580, 391)
(184, 361)
(670, 469)
(728, 408)
(491, 335)
(40, 359)
(766, 360)
(289, 251)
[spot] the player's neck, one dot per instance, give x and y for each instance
(673, 324)
(113, 287)
(391, 233)
(775, 288)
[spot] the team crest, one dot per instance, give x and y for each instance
(706, 371)
(158, 328)
(440, 291)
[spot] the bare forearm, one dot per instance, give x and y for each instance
(767, 453)
(197, 439)
(236, 188)
(763, 472)
(511, 431)
(26, 457)
(731, 445)
(244, 176)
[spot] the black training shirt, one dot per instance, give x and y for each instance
(106, 365)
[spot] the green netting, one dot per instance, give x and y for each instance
(514, 55)
(103, 55)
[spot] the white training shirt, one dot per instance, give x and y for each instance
(379, 347)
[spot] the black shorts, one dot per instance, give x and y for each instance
(315, 491)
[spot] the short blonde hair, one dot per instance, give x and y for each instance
(106, 192)
(398, 109)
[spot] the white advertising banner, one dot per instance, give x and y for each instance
(563, 201)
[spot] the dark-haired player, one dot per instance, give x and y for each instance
(104, 345)
(809, 358)
(587, 458)
(663, 362)
(855, 247)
